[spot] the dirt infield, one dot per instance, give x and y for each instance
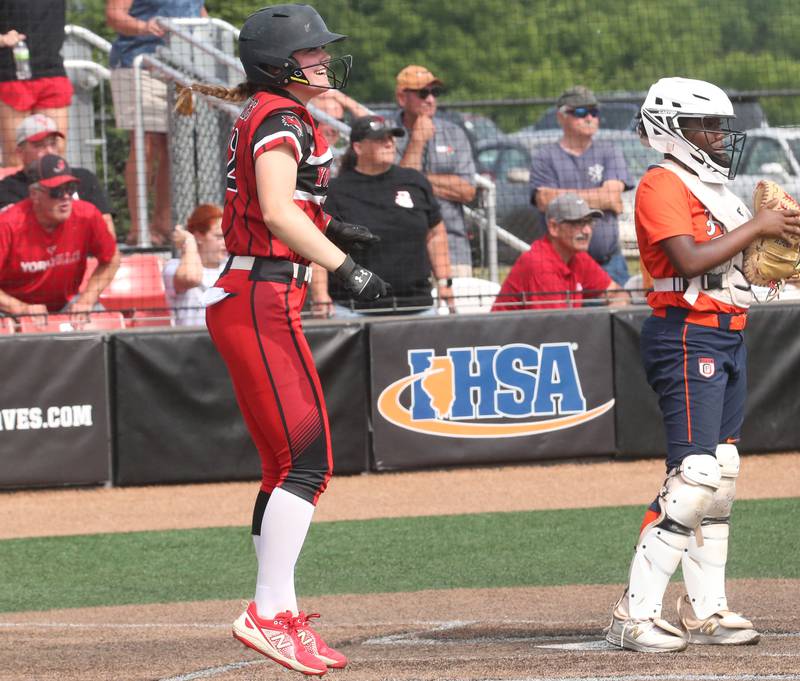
(522, 633)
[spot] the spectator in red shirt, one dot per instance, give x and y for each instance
(558, 271)
(45, 241)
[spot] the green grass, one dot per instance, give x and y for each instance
(582, 546)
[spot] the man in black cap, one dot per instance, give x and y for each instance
(557, 271)
(45, 241)
(595, 171)
(399, 206)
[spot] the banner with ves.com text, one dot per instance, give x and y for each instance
(54, 410)
(492, 388)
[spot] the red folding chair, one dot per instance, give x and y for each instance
(7, 326)
(57, 323)
(136, 285)
(142, 318)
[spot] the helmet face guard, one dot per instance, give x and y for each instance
(725, 153)
(715, 161)
(337, 68)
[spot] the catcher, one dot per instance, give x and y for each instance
(692, 231)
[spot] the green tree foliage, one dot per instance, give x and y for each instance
(493, 49)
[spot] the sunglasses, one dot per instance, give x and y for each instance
(68, 188)
(584, 111)
(425, 92)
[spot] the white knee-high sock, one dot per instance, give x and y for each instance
(283, 531)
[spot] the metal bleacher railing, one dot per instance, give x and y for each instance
(203, 50)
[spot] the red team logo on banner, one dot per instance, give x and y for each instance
(706, 366)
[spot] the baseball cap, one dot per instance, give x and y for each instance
(36, 127)
(579, 95)
(414, 77)
(373, 127)
(570, 207)
(50, 171)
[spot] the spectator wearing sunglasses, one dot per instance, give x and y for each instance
(441, 150)
(45, 241)
(36, 136)
(595, 171)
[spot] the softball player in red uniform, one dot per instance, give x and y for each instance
(691, 230)
(274, 226)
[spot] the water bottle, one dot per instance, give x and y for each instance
(22, 60)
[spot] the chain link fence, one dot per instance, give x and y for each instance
(503, 137)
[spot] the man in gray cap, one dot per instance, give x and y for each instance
(595, 171)
(557, 271)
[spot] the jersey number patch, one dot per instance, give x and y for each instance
(230, 176)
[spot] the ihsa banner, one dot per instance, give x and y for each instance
(492, 388)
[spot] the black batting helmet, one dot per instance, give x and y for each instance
(271, 35)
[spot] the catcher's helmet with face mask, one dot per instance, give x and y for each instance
(672, 100)
(271, 35)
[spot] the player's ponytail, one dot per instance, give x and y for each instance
(184, 104)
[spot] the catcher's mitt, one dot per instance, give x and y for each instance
(768, 260)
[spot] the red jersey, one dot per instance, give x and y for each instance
(665, 208)
(267, 121)
(46, 268)
(543, 270)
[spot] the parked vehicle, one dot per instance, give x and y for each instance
(479, 128)
(508, 164)
(769, 154)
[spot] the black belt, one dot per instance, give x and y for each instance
(271, 269)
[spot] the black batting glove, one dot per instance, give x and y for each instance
(359, 281)
(349, 237)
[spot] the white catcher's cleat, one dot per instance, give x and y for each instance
(723, 628)
(654, 635)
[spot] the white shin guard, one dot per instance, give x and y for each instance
(704, 566)
(685, 498)
(704, 570)
(657, 556)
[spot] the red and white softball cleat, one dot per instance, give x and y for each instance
(314, 644)
(278, 639)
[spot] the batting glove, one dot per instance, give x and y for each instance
(350, 237)
(359, 281)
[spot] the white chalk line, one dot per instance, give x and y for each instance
(421, 635)
(214, 671)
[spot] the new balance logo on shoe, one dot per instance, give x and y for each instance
(709, 627)
(278, 638)
(280, 641)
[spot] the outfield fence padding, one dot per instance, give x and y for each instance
(54, 410)
(177, 418)
(401, 394)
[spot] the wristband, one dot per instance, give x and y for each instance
(445, 282)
